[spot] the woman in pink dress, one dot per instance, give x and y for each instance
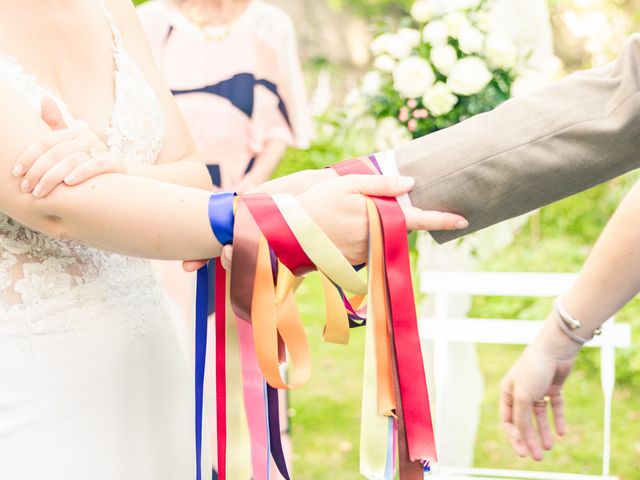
(233, 68)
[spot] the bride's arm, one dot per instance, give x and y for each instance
(147, 218)
(116, 212)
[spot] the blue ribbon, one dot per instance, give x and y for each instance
(221, 216)
(221, 219)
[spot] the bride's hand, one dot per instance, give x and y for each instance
(534, 383)
(65, 155)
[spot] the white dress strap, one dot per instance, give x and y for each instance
(118, 43)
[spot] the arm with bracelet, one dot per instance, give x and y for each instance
(609, 279)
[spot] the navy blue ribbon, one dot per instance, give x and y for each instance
(221, 219)
(221, 216)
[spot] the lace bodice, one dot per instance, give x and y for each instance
(41, 277)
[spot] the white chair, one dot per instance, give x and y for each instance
(442, 329)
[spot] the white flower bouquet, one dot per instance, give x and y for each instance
(441, 66)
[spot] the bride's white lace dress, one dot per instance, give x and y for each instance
(93, 383)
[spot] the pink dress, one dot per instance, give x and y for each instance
(239, 86)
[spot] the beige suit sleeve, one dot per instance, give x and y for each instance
(532, 151)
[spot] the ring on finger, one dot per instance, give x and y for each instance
(90, 153)
(93, 153)
(542, 403)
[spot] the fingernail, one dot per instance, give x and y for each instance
(460, 224)
(69, 179)
(406, 182)
(37, 191)
(18, 170)
(24, 186)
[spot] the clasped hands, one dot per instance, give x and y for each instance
(68, 157)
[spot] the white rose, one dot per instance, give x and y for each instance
(471, 40)
(412, 77)
(436, 33)
(421, 11)
(469, 76)
(410, 35)
(484, 20)
(443, 57)
(384, 63)
(390, 133)
(439, 100)
(501, 52)
(395, 44)
(441, 7)
(456, 22)
(371, 83)
(398, 46)
(379, 44)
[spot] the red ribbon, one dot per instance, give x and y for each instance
(410, 372)
(221, 374)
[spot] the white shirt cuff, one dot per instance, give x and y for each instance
(387, 163)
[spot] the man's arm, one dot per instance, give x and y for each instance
(529, 152)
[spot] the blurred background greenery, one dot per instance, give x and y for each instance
(325, 413)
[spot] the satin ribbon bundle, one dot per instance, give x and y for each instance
(258, 328)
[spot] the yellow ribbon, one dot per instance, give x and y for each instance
(322, 252)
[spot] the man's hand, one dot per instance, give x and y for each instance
(339, 208)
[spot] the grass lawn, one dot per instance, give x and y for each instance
(325, 412)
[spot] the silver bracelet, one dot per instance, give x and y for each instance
(569, 325)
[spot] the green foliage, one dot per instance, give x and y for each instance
(373, 8)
